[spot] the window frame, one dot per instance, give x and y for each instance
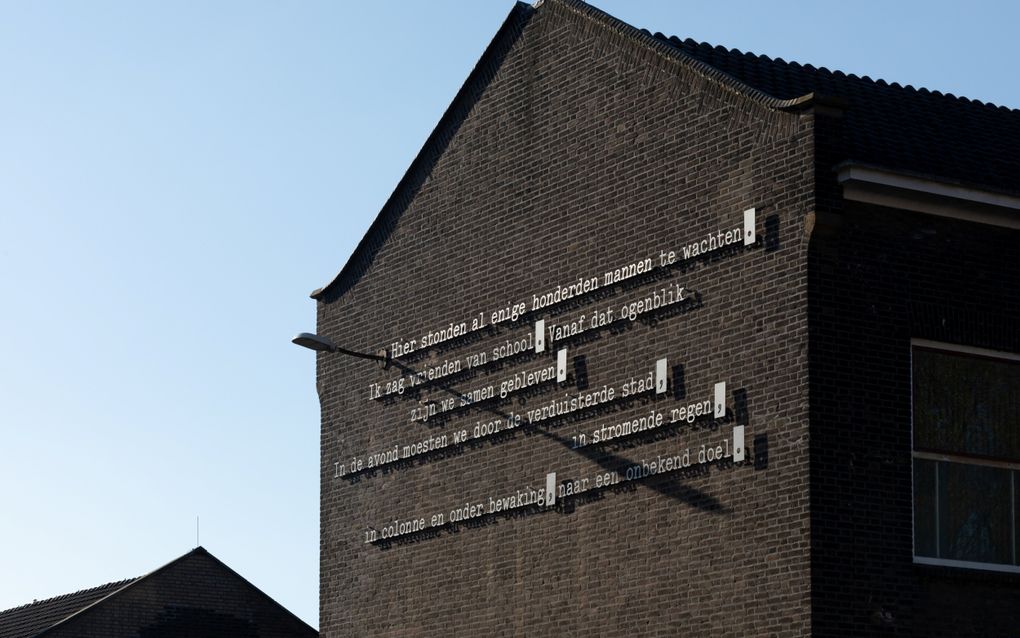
(1014, 466)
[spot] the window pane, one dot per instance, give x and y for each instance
(924, 508)
(975, 513)
(965, 404)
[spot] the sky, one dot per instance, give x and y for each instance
(177, 177)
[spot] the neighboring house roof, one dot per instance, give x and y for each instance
(163, 593)
(914, 131)
(898, 127)
(30, 619)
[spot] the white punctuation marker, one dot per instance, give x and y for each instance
(540, 335)
(748, 226)
(550, 489)
(660, 376)
(738, 443)
(561, 365)
(720, 399)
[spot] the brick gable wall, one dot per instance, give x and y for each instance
(585, 151)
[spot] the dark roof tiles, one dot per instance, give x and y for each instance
(750, 67)
(886, 124)
(28, 620)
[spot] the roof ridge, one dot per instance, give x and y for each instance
(513, 25)
(117, 583)
(449, 123)
(197, 551)
(676, 42)
(124, 585)
(867, 108)
(670, 50)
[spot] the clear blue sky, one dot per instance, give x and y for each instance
(176, 177)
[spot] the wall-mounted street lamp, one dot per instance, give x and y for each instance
(325, 344)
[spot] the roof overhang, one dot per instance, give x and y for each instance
(884, 187)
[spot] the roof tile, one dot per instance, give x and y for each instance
(28, 620)
(885, 124)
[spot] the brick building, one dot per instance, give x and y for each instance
(194, 596)
(681, 341)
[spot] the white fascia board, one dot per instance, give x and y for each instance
(883, 187)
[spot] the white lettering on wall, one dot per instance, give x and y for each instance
(513, 311)
(549, 495)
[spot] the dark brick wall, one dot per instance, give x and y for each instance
(586, 150)
(196, 596)
(879, 277)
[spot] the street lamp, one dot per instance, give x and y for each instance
(325, 344)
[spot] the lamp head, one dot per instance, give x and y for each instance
(314, 342)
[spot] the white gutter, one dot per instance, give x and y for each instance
(883, 187)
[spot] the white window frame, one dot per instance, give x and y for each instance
(951, 458)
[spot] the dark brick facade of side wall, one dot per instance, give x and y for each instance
(878, 278)
(586, 150)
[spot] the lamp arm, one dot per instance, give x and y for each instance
(363, 355)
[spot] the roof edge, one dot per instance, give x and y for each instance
(198, 551)
(117, 591)
(863, 171)
(513, 23)
(114, 584)
(255, 588)
(663, 47)
(928, 194)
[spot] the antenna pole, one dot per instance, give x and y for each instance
(198, 537)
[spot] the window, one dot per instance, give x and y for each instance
(966, 457)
